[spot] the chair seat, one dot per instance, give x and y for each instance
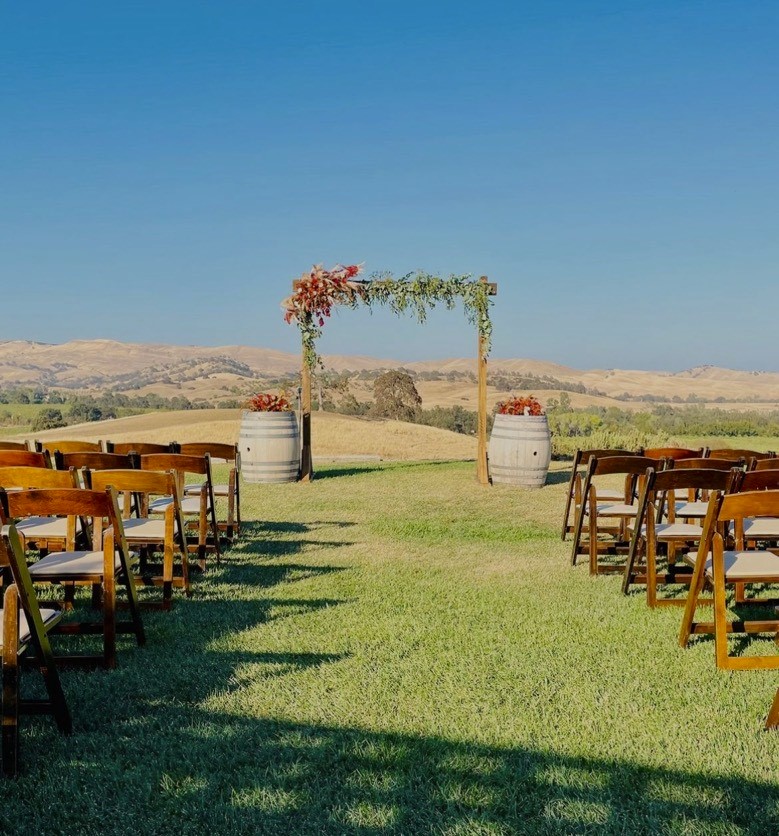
(675, 531)
(695, 510)
(744, 566)
(45, 527)
(189, 504)
(62, 564)
(611, 495)
(224, 490)
(762, 528)
(142, 529)
(616, 509)
(49, 618)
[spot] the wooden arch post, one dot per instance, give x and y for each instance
(482, 470)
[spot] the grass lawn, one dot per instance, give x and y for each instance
(395, 649)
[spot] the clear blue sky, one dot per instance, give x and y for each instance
(168, 167)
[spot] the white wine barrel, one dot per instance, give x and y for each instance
(520, 450)
(269, 443)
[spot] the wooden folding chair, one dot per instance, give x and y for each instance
(578, 469)
(201, 506)
(105, 565)
(715, 564)
(231, 491)
(768, 463)
(69, 446)
(166, 534)
(142, 448)
(24, 631)
(607, 517)
(694, 504)
(649, 533)
(45, 533)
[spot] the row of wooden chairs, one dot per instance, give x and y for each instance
(55, 452)
(713, 520)
(101, 520)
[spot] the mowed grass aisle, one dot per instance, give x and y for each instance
(395, 649)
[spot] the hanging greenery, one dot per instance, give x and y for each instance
(317, 291)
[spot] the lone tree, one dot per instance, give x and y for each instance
(396, 396)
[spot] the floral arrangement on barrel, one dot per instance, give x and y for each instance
(520, 406)
(312, 302)
(268, 402)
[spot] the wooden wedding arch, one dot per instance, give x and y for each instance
(310, 322)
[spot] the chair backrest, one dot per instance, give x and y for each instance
(764, 464)
(94, 461)
(706, 464)
(674, 453)
(101, 506)
(25, 477)
(180, 465)
(24, 458)
(223, 452)
(747, 455)
(14, 445)
(69, 446)
(146, 483)
(142, 448)
(629, 465)
(758, 480)
(698, 479)
(582, 457)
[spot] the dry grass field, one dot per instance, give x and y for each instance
(334, 435)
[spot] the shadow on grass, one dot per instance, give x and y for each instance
(239, 774)
(271, 574)
(558, 477)
(379, 467)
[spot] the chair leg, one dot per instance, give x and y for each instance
(593, 526)
(720, 617)
(630, 564)
(10, 678)
(109, 616)
(691, 604)
(651, 574)
(772, 721)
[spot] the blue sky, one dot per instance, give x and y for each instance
(167, 168)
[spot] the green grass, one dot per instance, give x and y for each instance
(394, 649)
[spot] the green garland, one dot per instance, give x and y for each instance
(415, 292)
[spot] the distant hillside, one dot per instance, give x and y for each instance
(334, 435)
(221, 373)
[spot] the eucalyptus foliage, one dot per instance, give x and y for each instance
(415, 293)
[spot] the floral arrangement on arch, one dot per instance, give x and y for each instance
(520, 406)
(312, 302)
(268, 402)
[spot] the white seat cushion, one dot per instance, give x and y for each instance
(142, 529)
(48, 617)
(748, 566)
(45, 527)
(616, 509)
(695, 510)
(62, 564)
(189, 505)
(610, 495)
(224, 490)
(680, 531)
(763, 527)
